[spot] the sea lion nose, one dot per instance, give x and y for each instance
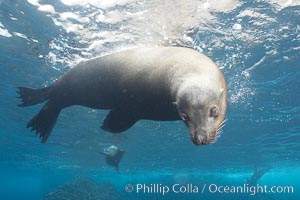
(202, 138)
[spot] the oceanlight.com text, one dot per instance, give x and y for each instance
(156, 188)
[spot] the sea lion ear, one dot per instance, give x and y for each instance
(222, 92)
(174, 106)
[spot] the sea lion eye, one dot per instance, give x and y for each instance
(184, 117)
(214, 112)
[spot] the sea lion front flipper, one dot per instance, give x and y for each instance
(119, 120)
(103, 153)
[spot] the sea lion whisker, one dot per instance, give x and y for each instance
(223, 123)
(219, 133)
(219, 128)
(214, 141)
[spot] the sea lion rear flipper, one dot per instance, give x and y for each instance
(45, 120)
(31, 96)
(118, 121)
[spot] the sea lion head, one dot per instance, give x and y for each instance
(111, 150)
(203, 109)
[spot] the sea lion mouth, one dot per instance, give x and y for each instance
(205, 138)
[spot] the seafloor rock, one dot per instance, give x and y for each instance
(84, 189)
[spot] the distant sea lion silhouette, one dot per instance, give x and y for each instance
(113, 156)
(257, 174)
(155, 83)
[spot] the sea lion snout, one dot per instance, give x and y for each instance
(202, 137)
(199, 139)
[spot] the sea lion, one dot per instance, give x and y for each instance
(113, 156)
(154, 83)
(257, 174)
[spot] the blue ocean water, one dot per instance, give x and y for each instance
(255, 43)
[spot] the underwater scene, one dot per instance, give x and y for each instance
(149, 99)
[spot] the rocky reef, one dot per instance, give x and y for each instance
(84, 188)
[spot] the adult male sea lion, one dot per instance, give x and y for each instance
(157, 83)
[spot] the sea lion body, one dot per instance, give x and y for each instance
(140, 83)
(113, 156)
(121, 79)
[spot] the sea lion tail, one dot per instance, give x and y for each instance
(45, 120)
(31, 96)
